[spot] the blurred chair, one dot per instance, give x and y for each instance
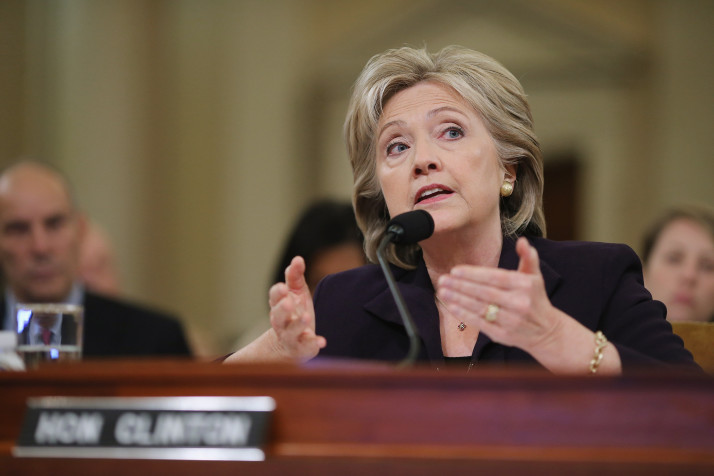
(698, 338)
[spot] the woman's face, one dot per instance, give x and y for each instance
(680, 271)
(434, 153)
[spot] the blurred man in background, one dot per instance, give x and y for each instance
(40, 235)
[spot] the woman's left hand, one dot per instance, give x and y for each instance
(524, 316)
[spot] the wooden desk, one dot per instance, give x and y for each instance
(347, 419)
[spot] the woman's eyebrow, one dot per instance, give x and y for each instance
(389, 124)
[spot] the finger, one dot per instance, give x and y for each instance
(471, 295)
(470, 307)
(529, 262)
(459, 304)
(294, 329)
(283, 314)
(287, 308)
(307, 346)
(289, 328)
(299, 336)
(485, 276)
(468, 312)
(309, 338)
(277, 292)
(295, 275)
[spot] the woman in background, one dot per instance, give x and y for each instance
(326, 235)
(328, 239)
(678, 257)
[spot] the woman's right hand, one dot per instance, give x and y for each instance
(292, 315)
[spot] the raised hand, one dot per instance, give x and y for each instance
(523, 315)
(511, 307)
(292, 315)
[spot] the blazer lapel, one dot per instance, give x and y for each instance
(418, 294)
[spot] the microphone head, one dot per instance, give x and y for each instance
(411, 227)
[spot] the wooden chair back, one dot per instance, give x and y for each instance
(698, 338)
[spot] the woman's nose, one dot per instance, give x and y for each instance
(426, 160)
(688, 271)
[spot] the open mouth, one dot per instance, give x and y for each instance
(431, 191)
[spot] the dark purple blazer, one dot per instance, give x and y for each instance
(599, 284)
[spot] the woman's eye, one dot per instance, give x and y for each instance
(706, 266)
(454, 133)
(396, 148)
(673, 258)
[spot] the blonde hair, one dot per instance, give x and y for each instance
(490, 89)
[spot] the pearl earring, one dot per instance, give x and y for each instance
(506, 188)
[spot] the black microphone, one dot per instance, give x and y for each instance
(407, 228)
(411, 227)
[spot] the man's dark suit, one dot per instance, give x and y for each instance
(114, 328)
(598, 284)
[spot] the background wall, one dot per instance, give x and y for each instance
(195, 130)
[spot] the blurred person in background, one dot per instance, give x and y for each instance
(98, 269)
(678, 257)
(326, 235)
(41, 232)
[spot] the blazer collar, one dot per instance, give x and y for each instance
(418, 292)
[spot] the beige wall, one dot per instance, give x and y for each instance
(194, 131)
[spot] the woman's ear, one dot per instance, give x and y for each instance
(511, 172)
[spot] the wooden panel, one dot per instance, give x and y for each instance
(357, 419)
(560, 197)
(698, 338)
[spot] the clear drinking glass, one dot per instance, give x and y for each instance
(49, 332)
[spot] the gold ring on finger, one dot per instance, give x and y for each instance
(491, 313)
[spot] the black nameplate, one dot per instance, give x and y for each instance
(186, 428)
